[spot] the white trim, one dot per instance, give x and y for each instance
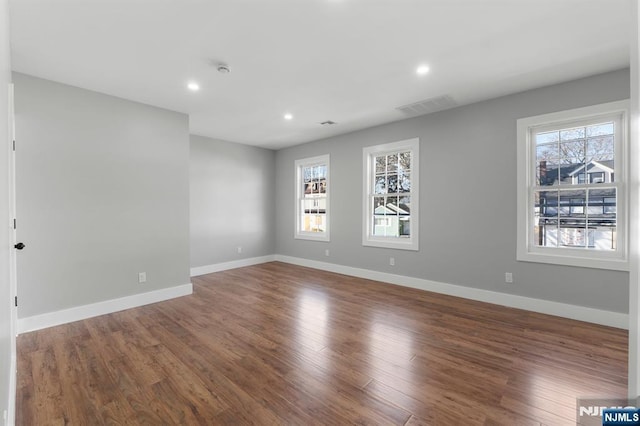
(217, 267)
(634, 218)
(580, 313)
(525, 251)
(13, 285)
(402, 243)
(13, 379)
(78, 313)
(299, 164)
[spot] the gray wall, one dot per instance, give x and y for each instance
(468, 199)
(5, 294)
(102, 194)
(232, 202)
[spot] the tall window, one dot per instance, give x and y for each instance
(312, 198)
(572, 189)
(391, 176)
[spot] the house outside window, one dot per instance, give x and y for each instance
(391, 176)
(312, 198)
(572, 192)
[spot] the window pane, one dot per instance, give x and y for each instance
(404, 205)
(322, 172)
(387, 227)
(405, 182)
(547, 152)
(392, 163)
(323, 185)
(547, 137)
(573, 234)
(572, 134)
(309, 206)
(546, 219)
(307, 174)
(381, 164)
(314, 223)
(379, 208)
(385, 220)
(602, 218)
(547, 174)
(392, 183)
(404, 161)
(380, 185)
(404, 226)
(600, 148)
(610, 205)
(572, 204)
(600, 129)
(392, 205)
(572, 171)
(572, 222)
(306, 223)
(606, 200)
(572, 150)
(320, 224)
(308, 188)
(602, 238)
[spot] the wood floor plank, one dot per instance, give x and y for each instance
(278, 344)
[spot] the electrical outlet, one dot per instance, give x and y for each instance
(392, 261)
(239, 249)
(326, 252)
(508, 277)
(142, 277)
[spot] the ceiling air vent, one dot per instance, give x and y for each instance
(428, 106)
(328, 123)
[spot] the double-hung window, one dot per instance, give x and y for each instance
(391, 176)
(572, 190)
(312, 198)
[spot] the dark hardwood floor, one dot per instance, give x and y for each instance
(277, 344)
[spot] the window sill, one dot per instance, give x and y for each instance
(611, 263)
(312, 237)
(393, 244)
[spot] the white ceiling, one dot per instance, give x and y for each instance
(350, 61)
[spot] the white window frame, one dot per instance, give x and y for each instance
(299, 164)
(369, 153)
(526, 249)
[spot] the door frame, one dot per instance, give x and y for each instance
(13, 282)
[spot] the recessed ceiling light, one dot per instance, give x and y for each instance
(194, 87)
(288, 116)
(422, 69)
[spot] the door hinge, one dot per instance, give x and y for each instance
(14, 144)
(14, 224)
(15, 300)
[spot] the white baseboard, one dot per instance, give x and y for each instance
(13, 378)
(217, 267)
(78, 313)
(581, 313)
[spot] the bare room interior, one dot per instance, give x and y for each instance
(325, 212)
